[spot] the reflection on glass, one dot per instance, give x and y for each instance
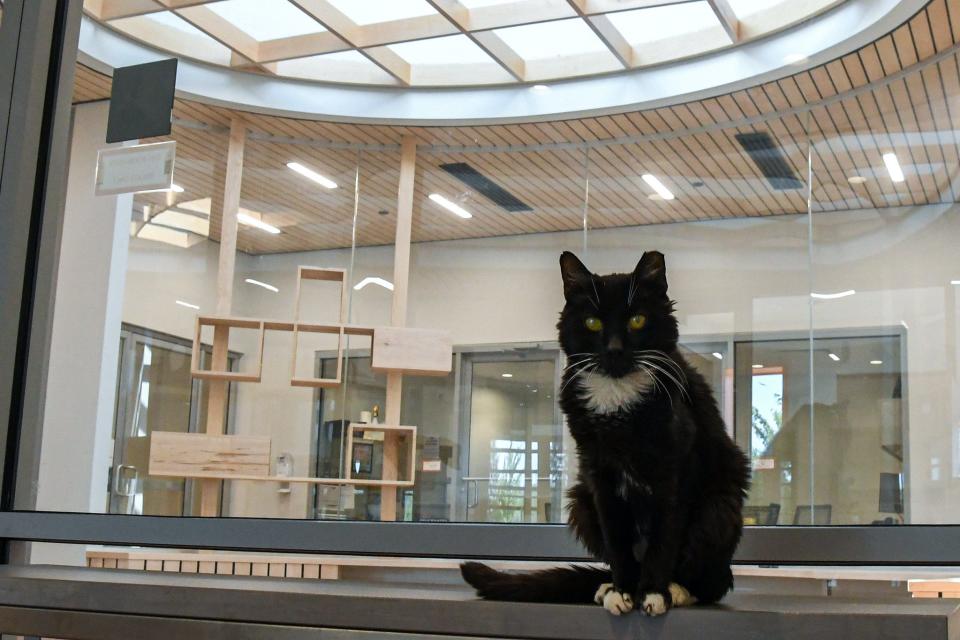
(838, 460)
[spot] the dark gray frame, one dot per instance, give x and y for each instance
(913, 545)
(38, 44)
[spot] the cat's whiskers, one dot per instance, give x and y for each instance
(587, 368)
(653, 365)
(660, 356)
(656, 382)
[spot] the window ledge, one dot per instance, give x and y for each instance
(61, 597)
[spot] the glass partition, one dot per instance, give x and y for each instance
(810, 252)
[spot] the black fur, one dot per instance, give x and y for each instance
(661, 484)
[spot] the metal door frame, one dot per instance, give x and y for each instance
(463, 399)
(130, 337)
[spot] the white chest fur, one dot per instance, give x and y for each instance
(604, 394)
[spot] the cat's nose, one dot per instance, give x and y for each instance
(615, 345)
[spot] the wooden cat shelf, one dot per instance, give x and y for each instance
(394, 350)
(221, 457)
(421, 352)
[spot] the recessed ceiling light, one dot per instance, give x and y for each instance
(856, 179)
(451, 206)
(657, 186)
(795, 58)
(250, 221)
(373, 280)
(833, 296)
(718, 355)
(539, 88)
(506, 375)
(758, 366)
(876, 362)
(310, 174)
(955, 282)
(893, 167)
(269, 287)
(187, 305)
(834, 357)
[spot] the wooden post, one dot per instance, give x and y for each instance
(398, 318)
(217, 395)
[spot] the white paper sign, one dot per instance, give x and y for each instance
(144, 167)
(431, 465)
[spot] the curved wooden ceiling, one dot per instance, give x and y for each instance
(897, 94)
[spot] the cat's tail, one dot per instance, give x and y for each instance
(573, 585)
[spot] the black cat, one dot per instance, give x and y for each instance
(661, 484)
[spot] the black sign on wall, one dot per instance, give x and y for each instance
(141, 101)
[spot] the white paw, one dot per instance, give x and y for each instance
(603, 590)
(654, 604)
(617, 602)
(680, 596)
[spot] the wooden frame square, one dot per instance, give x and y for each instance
(226, 324)
(396, 430)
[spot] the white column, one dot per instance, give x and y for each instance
(77, 445)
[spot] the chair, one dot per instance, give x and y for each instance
(762, 516)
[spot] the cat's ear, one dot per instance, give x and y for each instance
(652, 269)
(575, 275)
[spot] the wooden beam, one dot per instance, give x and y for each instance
(398, 316)
(113, 9)
(493, 45)
(221, 30)
(611, 37)
(337, 23)
(502, 53)
(728, 19)
(309, 44)
(388, 60)
(404, 30)
(217, 396)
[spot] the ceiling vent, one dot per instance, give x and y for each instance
(484, 185)
(769, 158)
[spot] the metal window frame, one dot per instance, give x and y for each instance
(38, 44)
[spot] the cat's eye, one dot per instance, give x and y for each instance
(636, 322)
(593, 323)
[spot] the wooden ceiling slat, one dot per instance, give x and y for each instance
(914, 116)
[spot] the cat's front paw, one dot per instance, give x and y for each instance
(654, 604)
(613, 600)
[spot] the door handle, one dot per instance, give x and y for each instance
(118, 479)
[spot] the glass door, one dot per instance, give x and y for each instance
(514, 458)
(155, 392)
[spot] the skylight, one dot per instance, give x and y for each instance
(448, 42)
(449, 50)
(552, 39)
(365, 12)
(660, 23)
(266, 19)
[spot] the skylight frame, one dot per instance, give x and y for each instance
(486, 25)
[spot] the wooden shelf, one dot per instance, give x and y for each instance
(226, 323)
(394, 431)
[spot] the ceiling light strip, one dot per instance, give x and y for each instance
(450, 206)
(310, 174)
(250, 221)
